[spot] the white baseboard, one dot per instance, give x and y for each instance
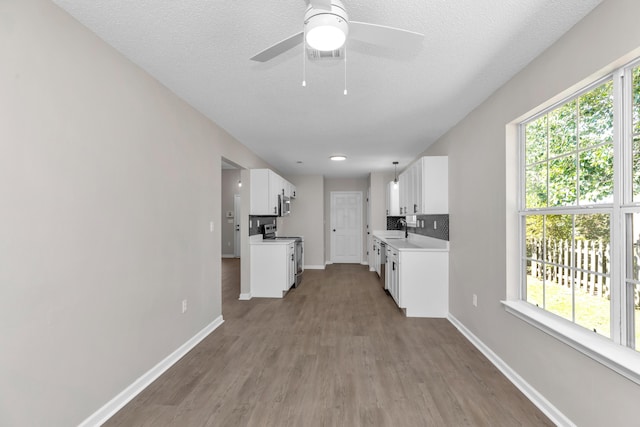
(314, 267)
(245, 297)
(125, 396)
(229, 256)
(557, 417)
(328, 263)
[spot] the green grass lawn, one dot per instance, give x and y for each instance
(592, 312)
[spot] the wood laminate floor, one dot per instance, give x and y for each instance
(335, 352)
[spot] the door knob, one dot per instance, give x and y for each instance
(334, 230)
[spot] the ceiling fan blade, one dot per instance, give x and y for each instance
(383, 35)
(279, 48)
(320, 4)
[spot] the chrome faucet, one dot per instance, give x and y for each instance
(403, 222)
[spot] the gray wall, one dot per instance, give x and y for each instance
(108, 183)
(344, 184)
(584, 390)
(307, 217)
(230, 178)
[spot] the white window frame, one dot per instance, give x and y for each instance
(613, 352)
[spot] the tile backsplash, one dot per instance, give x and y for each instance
(436, 226)
(393, 222)
(256, 223)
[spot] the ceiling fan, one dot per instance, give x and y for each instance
(327, 26)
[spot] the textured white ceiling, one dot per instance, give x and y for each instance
(399, 102)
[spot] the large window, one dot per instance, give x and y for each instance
(580, 203)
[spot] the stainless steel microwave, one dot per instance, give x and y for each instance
(284, 203)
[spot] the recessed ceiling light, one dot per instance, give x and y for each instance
(338, 158)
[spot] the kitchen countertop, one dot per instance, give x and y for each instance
(415, 242)
(258, 240)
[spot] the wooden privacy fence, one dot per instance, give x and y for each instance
(590, 261)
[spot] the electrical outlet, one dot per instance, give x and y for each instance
(184, 306)
(211, 226)
(475, 300)
(228, 243)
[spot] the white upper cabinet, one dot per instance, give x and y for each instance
(435, 185)
(289, 189)
(408, 189)
(266, 186)
(393, 198)
(276, 185)
(286, 188)
(424, 187)
(404, 183)
(418, 188)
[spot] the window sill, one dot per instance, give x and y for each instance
(623, 360)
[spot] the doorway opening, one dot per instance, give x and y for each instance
(230, 232)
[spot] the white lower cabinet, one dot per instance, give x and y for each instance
(423, 283)
(418, 280)
(388, 270)
(273, 268)
(291, 262)
(376, 255)
(394, 275)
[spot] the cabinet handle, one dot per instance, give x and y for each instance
(415, 208)
(275, 209)
(394, 266)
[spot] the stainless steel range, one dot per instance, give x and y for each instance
(269, 233)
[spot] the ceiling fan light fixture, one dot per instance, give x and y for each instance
(326, 32)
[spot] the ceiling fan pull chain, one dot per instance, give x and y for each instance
(345, 68)
(304, 61)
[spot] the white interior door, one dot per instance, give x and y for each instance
(346, 227)
(236, 225)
